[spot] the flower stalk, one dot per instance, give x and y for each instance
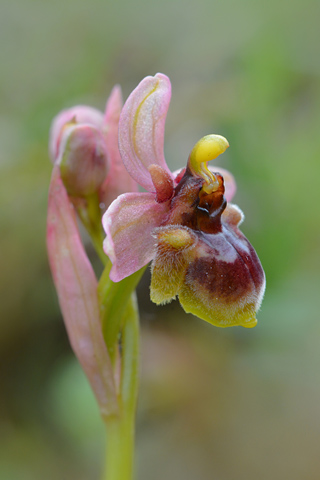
(115, 302)
(89, 213)
(121, 429)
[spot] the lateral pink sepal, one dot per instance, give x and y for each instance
(76, 286)
(128, 223)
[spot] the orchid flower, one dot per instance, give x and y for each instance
(184, 223)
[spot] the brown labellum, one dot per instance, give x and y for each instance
(217, 273)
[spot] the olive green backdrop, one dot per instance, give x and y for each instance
(214, 404)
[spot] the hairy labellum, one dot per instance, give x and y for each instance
(204, 258)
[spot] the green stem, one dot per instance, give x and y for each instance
(97, 241)
(130, 356)
(120, 430)
(90, 215)
(120, 447)
(113, 299)
(120, 319)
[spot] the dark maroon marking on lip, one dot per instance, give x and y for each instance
(208, 223)
(201, 212)
(226, 281)
(251, 259)
(231, 281)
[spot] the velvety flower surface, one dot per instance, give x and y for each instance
(183, 222)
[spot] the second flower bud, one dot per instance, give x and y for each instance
(83, 159)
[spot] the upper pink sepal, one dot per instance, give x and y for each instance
(128, 223)
(79, 114)
(118, 179)
(141, 128)
(76, 286)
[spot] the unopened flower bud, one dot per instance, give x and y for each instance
(83, 159)
(80, 114)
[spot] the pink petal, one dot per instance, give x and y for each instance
(76, 286)
(118, 179)
(82, 114)
(128, 223)
(141, 128)
(113, 106)
(229, 182)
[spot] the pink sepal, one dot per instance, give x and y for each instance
(76, 286)
(128, 223)
(118, 179)
(141, 128)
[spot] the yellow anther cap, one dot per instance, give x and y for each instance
(206, 149)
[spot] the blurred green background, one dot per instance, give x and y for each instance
(214, 404)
